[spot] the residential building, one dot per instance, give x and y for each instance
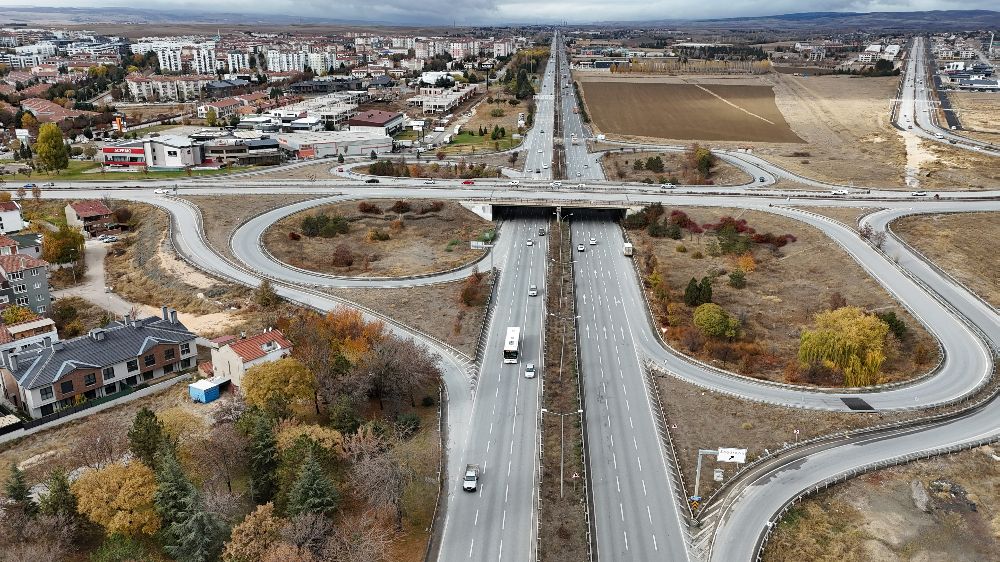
(223, 108)
(172, 151)
(166, 88)
(169, 58)
(387, 123)
(29, 244)
(48, 112)
(44, 379)
(10, 217)
(24, 282)
(22, 335)
(91, 217)
(232, 360)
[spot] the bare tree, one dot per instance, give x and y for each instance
(308, 531)
(359, 538)
(382, 479)
(221, 453)
(394, 368)
(98, 446)
(220, 500)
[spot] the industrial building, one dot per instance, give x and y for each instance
(321, 144)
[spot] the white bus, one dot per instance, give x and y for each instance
(511, 344)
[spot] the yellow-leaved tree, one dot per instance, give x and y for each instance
(277, 385)
(848, 339)
(119, 497)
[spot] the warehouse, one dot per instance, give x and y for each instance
(321, 144)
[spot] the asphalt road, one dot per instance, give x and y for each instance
(538, 143)
(636, 516)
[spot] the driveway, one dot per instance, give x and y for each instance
(92, 288)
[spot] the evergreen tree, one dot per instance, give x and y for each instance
(312, 491)
(52, 154)
(705, 291)
(60, 501)
(145, 436)
(263, 457)
(198, 535)
(18, 491)
(692, 293)
(172, 489)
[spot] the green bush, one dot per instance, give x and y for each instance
(713, 321)
(407, 424)
(738, 279)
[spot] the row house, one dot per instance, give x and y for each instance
(166, 88)
(50, 376)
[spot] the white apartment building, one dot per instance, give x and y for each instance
(237, 61)
(203, 60)
(169, 58)
(503, 48)
(166, 88)
(286, 61)
(321, 62)
(43, 48)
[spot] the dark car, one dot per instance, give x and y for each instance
(373, 180)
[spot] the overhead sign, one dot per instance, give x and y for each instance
(732, 455)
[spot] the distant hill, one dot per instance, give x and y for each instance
(944, 20)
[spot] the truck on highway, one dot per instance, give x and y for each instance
(471, 481)
(627, 249)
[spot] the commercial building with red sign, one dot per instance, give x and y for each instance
(124, 154)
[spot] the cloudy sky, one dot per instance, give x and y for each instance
(528, 11)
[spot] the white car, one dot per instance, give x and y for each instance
(593, 241)
(666, 186)
(530, 243)
(161, 191)
(839, 192)
(581, 185)
(532, 291)
(580, 248)
(529, 371)
(428, 182)
(545, 166)
(514, 182)
(918, 194)
(556, 184)
(539, 150)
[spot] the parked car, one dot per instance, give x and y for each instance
(763, 179)
(372, 180)
(468, 182)
(110, 239)
(556, 184)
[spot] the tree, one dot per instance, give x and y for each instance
(737, 279)
(382, 478)
(265, 295)
(119, 498)
(5, 196)
(705, 291)
(36, 194)
(29, 122)
(340, 158)
(713, 321)
(16, 314)
(279, 384)
(312, 491)
(654, 164)
(18, 491)
(62, 246)
(50, 148)
(21, 192)
(262, 454)
(221, 453)
(252, 538)
(373, 156)
(394, 368)
(359, 538)
(172, 489)
(60, 501)
(692, 293)
(198, 536)
(848, 339)
(146, 436)
(211, 117)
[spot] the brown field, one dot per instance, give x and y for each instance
(687, 111)
(621, 162)
(960, 243)
(426, 243)
(944, 508)
(788, 287)
(979, 113)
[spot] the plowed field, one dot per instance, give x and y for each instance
(708, 112)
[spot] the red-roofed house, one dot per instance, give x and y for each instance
(232, 360)
(10, 217)
(91, 217)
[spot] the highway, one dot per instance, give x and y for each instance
(918, 102)
(499, 521)
(581, 165)
(538, 144)
(635, 512)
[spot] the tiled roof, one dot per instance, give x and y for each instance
(6, 241)
(40, 365)
(20, 262)
(251, 348)
(8, 206)
(92, 208)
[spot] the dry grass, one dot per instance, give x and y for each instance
(143, 269)
(436, 241)
(962, 244)
(979, 113)
(956, 168)
(222, 214)
(673, 167)
(788, 287)
(874, 517)
(713, 112)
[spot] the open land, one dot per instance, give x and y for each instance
(686, 111)
(979, 114)
(469, 142)
(620, 164)
(960, 243)
(786, 289)
(944, 508)
(417, 243)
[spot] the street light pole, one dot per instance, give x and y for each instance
(562, 442)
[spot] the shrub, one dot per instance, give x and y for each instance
(427, 401)
(407, 424)
(896, 325)
(377, 235)
(397, 225)
(123, 215)
(342, 256)
(369, 208)
(681, 248)
(697, 255)
(656, 230)
(713, 321)
(738, 279)
(497, 112)
(294, 236)
(433, 207)
(400, 207)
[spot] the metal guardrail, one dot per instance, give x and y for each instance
(433, 545)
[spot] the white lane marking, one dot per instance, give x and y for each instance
(650, 515)
(476, 522)
(644, 486)
(471, 546)
(622, 510)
